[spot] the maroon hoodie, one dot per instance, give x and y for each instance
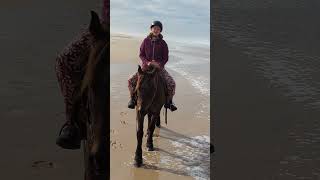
(154, 49)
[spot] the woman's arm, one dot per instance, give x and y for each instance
(165, 54)
(142, 54)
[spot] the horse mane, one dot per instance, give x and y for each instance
(93, 60)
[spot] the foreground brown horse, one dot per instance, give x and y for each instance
(93, 98)
(151, 96)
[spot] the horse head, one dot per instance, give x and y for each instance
(94, 88)
(99, 39)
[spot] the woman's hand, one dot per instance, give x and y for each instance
(156, 64)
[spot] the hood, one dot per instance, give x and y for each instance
(150, 35)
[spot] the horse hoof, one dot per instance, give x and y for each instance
(137, 163)
(158, 124)
(150, 147)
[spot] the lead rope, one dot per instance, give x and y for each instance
(153, 42)
(166, 121)
(165, 113)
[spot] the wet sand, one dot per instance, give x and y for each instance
(266, 74)
(256, 140)
(180, 148)
(31, 106)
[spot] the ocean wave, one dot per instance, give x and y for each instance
(187, 68)
(195, 151)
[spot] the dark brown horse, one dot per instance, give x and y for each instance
(93, 98)
(151, 96)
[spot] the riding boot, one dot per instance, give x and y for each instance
(69, 136)
(170, 105)
(132, 103)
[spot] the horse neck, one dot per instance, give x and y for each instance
(160, 85)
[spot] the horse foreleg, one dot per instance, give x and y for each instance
(151, 126)
(139, 131)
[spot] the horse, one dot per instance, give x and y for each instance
(151, 96)
(91, 103)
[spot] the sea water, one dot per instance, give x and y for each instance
(192, 61)
(281, 41)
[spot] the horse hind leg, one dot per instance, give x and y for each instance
(151, 126)
(158, 122)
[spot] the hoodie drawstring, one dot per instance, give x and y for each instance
(154, 42)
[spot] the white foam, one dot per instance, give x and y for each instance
(199, 82)
(196, 156)
(193, 63)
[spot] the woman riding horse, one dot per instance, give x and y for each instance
(154, 51)
(70, 66)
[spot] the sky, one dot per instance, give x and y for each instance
(183, 20)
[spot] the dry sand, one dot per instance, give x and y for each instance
(168, 161)
(124, 49)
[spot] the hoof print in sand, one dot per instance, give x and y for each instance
(113, 131)
(43, 164)
(116, 144)
(123, 113)
(123, 122)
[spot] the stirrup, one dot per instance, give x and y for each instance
(173, 107)
(69, 141)
(132, 103)
(167, 105)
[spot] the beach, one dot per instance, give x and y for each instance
(182, 146)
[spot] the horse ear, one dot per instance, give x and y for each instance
(139, 69)
(95, 27)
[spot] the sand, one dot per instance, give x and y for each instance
(124, 49)
(168, 161)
